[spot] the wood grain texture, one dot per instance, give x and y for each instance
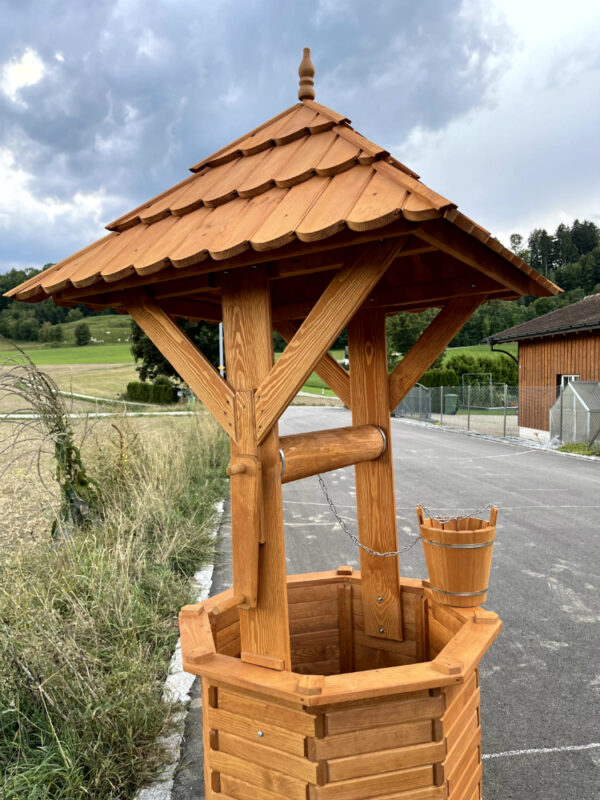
(374, 785)
(327, 368)
(541, 360)
(208, 700)
(264, 630)
(370, 740)
(310, 453)
(428, 347)
(375, 499)
(330, 314)
(346, 629)
(195, 369)
(261, 777)
(246, 517)
(384, 760)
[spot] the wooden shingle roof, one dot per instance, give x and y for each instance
(303, 182)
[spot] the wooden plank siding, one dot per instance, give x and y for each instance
(541, 360)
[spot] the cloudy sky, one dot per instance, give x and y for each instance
(496, 103)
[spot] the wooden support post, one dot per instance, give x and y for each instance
(428, 347)
(375, 501)
(264, 630)
(327, 369)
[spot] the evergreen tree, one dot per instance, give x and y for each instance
(83, 335)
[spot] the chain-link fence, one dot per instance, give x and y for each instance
(491, 408)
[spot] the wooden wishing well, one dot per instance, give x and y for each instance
(336, 684)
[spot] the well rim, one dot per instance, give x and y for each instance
(451, 666)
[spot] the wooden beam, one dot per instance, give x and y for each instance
(339, 302)
(421, 295)
(327, 368)
(428, 347)
(195, 369)
(192, 310)
(248, 330)
(375, 499)
(305, 454)
(449, 239)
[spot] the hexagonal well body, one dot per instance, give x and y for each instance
(359, 717)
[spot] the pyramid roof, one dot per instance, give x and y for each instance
(303, 183)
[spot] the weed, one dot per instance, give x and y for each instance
(87, 627)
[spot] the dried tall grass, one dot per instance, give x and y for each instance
(87, 626)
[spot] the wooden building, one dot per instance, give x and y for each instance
(554, 349)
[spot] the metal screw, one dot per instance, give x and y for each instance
(381, 630)
(380, 599)
(260, 734)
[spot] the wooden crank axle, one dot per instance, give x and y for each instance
(305, 454)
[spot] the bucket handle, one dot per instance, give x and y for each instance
(493, 515)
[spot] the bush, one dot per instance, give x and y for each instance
(86, 629)
(27, 330)
(440, 377)
(157, 392)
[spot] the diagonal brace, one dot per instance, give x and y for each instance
(327, 368)
(339, 302)
(195, 369)
(431, 343)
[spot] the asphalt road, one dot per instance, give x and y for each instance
(540, 681)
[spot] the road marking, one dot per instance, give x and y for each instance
(536, 750)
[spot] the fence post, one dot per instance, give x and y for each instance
(441, 405)
(469, 407)
(560, 436)
(505, 402)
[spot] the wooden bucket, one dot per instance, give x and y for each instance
(458, 555)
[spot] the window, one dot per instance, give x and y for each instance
(563, 380)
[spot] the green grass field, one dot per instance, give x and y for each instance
(90, 354)
(109, 329)
(481, 350)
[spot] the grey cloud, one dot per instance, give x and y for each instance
(146, 89)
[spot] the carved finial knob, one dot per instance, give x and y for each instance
(306, 71)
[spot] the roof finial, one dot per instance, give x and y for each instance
(306, 71)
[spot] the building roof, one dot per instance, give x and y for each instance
(580, 316)
(301, 183)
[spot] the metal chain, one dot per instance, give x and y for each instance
(354, 538)
(442, 519)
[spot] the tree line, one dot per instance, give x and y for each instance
(570, 257)
(33, 322)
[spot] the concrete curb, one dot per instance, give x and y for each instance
(177, 688)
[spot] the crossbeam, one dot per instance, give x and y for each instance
(195, 369)
(428, 347)
(339, 302)
(305, 454)
(327, 368)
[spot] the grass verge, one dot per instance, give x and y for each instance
(87, 628)
(580, 449)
